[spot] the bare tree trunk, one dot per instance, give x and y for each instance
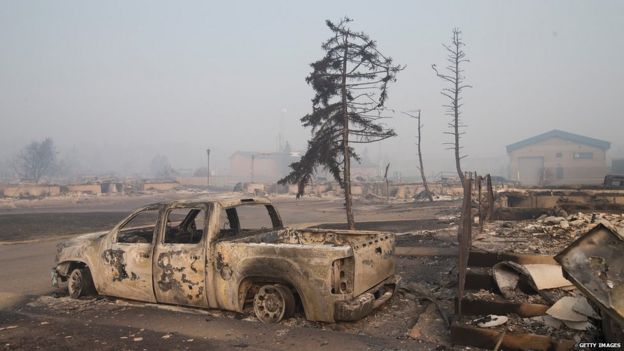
(345, 144)
(420, 160)
(455, 57)
(456, 115)
(464, 238)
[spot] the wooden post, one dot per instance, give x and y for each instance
(490, 195)
(479, 180)
(475, 177)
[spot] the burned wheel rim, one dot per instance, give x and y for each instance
(272, 303)
(75, 283)
(80, 283)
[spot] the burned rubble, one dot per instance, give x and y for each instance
(516, 293)
(545, 235)
(528, 285)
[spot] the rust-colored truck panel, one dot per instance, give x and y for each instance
(211, 253)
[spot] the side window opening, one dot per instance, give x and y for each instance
(248, 219)
(228, 219)
(185, 226)
(139, 229)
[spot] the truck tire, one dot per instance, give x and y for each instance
(80, 283)
(274, 302)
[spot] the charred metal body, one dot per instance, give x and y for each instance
(594, 263)
(208, 259)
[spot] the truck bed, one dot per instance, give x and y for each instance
(310, 236)
(372, 251)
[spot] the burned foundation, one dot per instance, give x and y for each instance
(517, 204)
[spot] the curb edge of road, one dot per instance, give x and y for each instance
(34, 241)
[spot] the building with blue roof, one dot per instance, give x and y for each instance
(558, 158)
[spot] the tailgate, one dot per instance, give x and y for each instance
(374, 261)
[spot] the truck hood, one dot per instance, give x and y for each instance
(75, 247)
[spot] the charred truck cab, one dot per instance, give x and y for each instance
(231, 253)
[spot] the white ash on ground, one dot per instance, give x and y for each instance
(548, 235)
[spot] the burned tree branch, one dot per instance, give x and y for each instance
(455, 78)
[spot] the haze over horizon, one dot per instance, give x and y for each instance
(117, 83)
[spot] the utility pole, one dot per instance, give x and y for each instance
(208, 169)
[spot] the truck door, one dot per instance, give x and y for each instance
(180, 257)
(127, 257)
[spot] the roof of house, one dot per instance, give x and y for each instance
(560, 134)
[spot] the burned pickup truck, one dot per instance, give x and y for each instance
(232, 253)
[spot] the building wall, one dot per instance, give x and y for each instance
(560, 165)
(166, 186)
(266, 167)
(193, 181)
(202, 181)
(95, 189)
(240, 167)
(33, 190)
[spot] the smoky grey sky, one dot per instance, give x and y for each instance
(117, 82)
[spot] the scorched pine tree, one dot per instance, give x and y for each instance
(350, 84)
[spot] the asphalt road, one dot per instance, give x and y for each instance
(26, 267)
